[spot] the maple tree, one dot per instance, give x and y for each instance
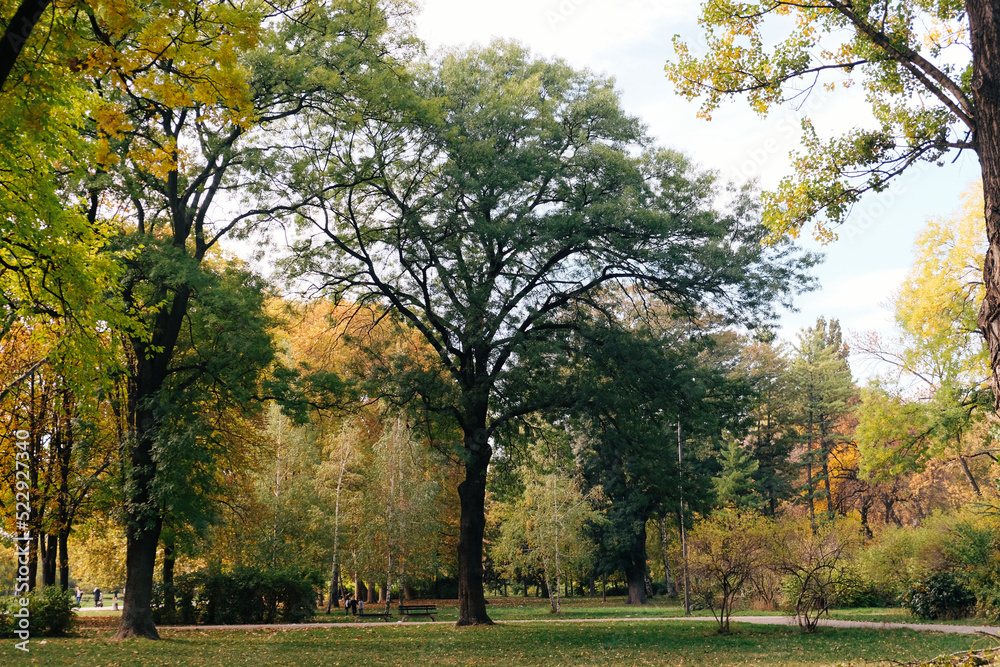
(184, 99)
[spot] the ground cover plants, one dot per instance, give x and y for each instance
(539, 643)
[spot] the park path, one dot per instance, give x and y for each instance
(760, 620)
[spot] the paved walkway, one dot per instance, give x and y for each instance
(760, 620)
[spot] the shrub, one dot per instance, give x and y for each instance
(940, 596)
(815, 565)
(726, 551)
(244, 595)
(974, 548)
(50, 612)
(863, 593)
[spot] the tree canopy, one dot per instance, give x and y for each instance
(505, 195)
(929, 73)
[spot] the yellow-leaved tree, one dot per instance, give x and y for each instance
(933, 403)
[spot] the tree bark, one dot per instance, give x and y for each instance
(64, 558)
(827, 489)
(472, 526)
(63, 512)
(33, 562)
(49, 553)
(664, 543)
(17, 33)
(140, 561)
(144, 515)
(984, 25)
(142, 532)
(335, 592)
(169, 600)
(635, 571)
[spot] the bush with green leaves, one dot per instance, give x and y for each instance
(973, 547)
(243, 595)
(895, 558)
(940, 596)
(50, 612)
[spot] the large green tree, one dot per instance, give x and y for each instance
(635, 395)
(931, 73)
(510, 192)
(191, 101)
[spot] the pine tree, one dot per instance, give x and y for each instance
(735, 486)
(823, 386)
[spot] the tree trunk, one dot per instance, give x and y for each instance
(984, 24)
(472, 526)
(826, 481)
(664, 543)
(552, 592)
(140, 561)
(968, 476)
(49, 562)
(143, 513)
(360, 590)
(809, 477)
(18, 30)
(142, 532)
(64, 558)
(335, 592)
(635, 570)
(33, 560)
(335, 568)
(169, 600)
(63, 517)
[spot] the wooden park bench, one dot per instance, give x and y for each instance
(417, 610)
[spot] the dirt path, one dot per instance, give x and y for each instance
(761, 620)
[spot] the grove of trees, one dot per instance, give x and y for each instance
(485, 334)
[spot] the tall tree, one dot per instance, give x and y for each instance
(930, 71)
(186, 96)
(771, 432)
(735, 487)
(638, 391)
(510, 195)
(824, 388)
(932, 401)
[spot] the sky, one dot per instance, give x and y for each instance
(630, 40)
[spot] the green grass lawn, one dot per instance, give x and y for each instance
(634, 642)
